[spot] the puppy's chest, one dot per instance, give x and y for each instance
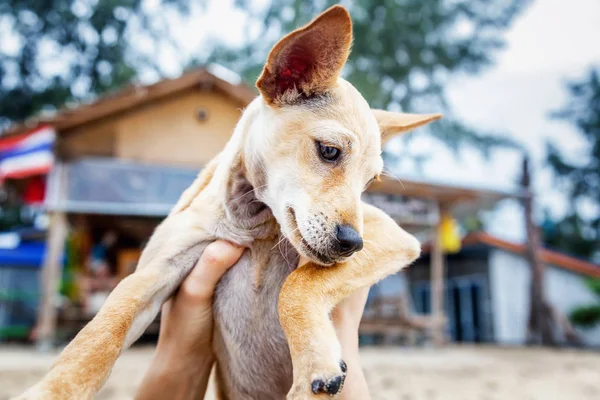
(250, 346)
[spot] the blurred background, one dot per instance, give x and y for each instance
(109, 108)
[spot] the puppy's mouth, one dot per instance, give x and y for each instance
(310, 251)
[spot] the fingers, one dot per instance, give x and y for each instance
(217, 258)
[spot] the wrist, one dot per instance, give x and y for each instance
(176, 376)
(185, 360)
(355, 386)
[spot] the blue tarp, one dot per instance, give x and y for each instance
(27, 254)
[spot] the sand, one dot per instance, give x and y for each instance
(465, 373)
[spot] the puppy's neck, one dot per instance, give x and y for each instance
(237, 181)
(242, 207)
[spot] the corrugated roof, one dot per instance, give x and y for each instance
(443, 193)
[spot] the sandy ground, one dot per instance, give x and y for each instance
(465, 373)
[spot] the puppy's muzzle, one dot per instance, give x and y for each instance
(348, 241)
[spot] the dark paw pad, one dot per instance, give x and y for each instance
(332, 386)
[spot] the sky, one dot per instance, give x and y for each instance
(552, 42)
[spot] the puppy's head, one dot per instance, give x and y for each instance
(317, 141)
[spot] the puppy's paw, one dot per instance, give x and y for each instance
(319, 372)
(329, 384)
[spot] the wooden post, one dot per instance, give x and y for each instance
(407, 307)
(52, 264)
(437, 284)
(540, 324)
(50, 280)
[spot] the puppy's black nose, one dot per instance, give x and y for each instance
(349, 240)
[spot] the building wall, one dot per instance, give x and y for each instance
(510, 284)
(165, 132)
(168, 132)
(509, 288)
(467, 294)
(567, 291)
(96, 140)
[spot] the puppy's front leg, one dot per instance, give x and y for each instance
(86, 362)
(311, 292)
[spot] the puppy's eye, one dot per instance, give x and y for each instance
(329, 153)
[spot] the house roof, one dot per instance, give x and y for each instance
(546, 256)
(134, 96)
(443, 193)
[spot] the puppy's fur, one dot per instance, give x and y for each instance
(271, 191)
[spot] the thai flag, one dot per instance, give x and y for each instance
(26, 155)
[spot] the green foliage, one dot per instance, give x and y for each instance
(594, 285)
(588, 316)
(404, 52)
(569, 234)
(579, 176)
(62, 50)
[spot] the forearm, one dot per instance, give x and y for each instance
(355, 386)
(177, 379)
(346, 319)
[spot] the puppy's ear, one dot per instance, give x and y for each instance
(393, 123)
(308, 61)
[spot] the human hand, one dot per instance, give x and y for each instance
(183, 359)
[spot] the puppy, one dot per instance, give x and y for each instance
(288, 187)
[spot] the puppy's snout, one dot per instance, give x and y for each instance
(348, 240)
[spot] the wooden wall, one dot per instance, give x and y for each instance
(165, 132)
(96, 139)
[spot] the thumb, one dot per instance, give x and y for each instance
(217, 258)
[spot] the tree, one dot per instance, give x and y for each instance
(579, 175)
(56, 51)
(546, 324)
(588, 316)
(540, 326)
(404, 52)
(567, 234)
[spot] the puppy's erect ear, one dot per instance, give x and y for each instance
(394, 123)
(308, 61)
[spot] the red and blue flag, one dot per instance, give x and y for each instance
(27, 154)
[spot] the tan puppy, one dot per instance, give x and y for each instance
(287, 186)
